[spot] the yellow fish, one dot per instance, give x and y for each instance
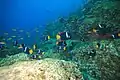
(58, 37)
(13, 36)
(48, 37)
(31, 51)
(34, 46)
(2, 43)
(43, 53)
(94, 30)
(14, 30)
(57, 43)
(64, 48)
(119, 34)
(89, 32)
(21, 38)
(97, 46)
(39, 57)
(9, 39)
(21, 31)
(5, 33)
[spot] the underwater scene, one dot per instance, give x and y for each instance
(60, 40)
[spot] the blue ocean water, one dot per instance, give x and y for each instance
(28, 15)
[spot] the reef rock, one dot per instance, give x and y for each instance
(47, 69)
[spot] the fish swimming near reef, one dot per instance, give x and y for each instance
(63, 36)
(20, 47)
(13, 36)
(34, 47)
(21, 30)
(14, 30)
(30, 51)
(47, 37)
(2, 43)
(15, 43)
(21, 38)
(9, 39)
(5, 33)
(101, 32)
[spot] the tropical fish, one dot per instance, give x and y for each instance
(58, 37)
(94, 30)
(28, 36)
(21, 38)
(116, 35)
(9, 39)
(34, 47)
(37, 31)
(98, 45)
(119, 34)
(15, 43)
(43, 53)
(5, 33)
(14, 30)
(20, 30)
(27, 50)
(13, 36)
(63, 36)
(20, 46)
(27, 33)
(2, 43)
(64, 48)
(89, 32)
(30, 51)
(39, 57)
(47, 38)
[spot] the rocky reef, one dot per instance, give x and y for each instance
(9, 60)
(47, 69)
(80, 64)
(104, 65)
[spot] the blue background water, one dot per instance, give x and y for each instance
(29, 14)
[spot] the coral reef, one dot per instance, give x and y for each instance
(105, 64)
(9, 60)
(9, 51)
(103, 11)
(47, 69)
(102, 65)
